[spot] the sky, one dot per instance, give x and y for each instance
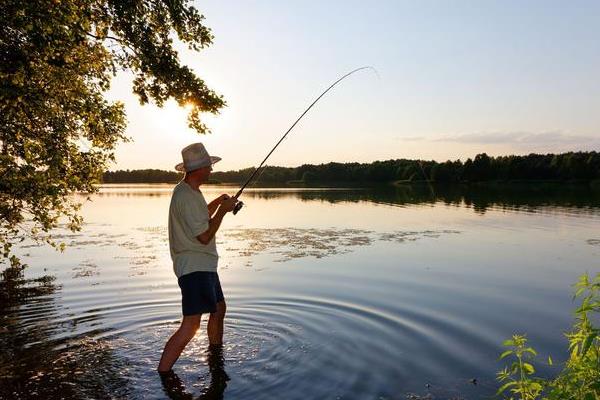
(456, 78)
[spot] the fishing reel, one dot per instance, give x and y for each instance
(238, 206)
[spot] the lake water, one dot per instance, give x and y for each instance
(331, 293)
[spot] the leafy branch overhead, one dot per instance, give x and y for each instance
(57, 131)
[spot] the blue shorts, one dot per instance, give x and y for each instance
(200, 292)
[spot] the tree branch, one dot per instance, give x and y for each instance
(120, 41)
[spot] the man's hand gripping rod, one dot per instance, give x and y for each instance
(240, 204)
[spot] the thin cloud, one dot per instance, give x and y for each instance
(515, 142)
(412, 138)
(523, 138)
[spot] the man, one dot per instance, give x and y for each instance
(192, 228)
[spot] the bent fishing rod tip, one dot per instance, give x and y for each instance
(240, 204)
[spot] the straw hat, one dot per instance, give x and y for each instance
(195, 156)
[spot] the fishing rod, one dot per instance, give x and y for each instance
(240, 204)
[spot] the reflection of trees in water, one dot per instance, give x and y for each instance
(35, 362)
(525, 196)
(134, 194)
(529, 197)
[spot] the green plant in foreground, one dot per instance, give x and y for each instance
(580, 376)
(518, 378)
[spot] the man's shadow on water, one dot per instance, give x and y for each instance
(175, 389)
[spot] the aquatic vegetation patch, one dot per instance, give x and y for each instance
(31, 245)
(293, 243)
(290, 243)
(80, 240)
(411, 236)
(85, 269)
(139, 263)
(79, 244)
(157, 233)
(153, 229)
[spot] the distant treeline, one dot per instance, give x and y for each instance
(573, 166)
(142, 176)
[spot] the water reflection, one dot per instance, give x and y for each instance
(174, 387)
(527, 197)
(41, 356)
(407, 300)
(517, 197)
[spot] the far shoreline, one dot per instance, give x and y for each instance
(533, 183)
(532, 169)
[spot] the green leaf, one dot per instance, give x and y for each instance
(504, 387)
(578, 292)
(587, 343)
(536, 386)
(531, 350)
(528, 368)
(574, 352)
(505, 354)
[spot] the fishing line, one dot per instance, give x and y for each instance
(240, 204)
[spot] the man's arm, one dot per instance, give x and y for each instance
(213, 205)
(214, 223)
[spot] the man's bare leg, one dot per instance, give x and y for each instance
(178, 341)
(216, 361)
(215, 324)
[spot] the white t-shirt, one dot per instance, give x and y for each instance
(188, 218)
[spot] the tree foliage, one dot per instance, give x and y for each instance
(57, 131)
(142, 176)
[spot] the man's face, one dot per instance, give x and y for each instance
(203, 173)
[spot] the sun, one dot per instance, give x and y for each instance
(188, 106)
